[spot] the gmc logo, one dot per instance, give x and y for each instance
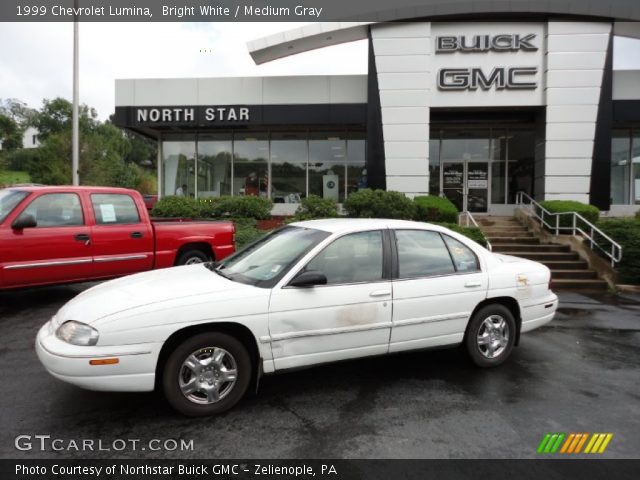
(503, 78)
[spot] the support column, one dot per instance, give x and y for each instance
(403, 58)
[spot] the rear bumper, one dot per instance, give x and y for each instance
(542, 312)
(134, 372)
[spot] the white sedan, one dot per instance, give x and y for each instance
(310, 293)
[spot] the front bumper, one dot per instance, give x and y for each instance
(540, 313)
(134, 372)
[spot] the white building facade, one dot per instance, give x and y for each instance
(472, 110)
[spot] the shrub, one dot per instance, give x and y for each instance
(626, 232)
(589, 212)
(436, 209)
(380, 204)
(246, 232)
(316, 207)
(258, 208)
(175, 207)
(473, 233)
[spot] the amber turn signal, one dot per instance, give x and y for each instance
(104, 361)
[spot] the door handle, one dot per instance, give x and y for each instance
(380, 293)
(83, 237)
(472, 284)
(136, 235)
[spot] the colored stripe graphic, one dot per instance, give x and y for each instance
(598, 443)
(551, 442)
(573, 443)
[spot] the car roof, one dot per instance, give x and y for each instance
(66, 188)
(344, 225)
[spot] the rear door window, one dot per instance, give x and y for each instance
(114, 209)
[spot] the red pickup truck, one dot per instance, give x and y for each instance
(71, 234)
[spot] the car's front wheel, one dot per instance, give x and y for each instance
(207, 374)
(491, 335)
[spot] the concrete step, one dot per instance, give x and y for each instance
(565, 264)
(511, 240)
(516, 228)
(546, 256)
(508, 234)
(514, 248)
(573, 274)
(582, 285)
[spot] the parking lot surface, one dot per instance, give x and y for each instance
(578, 374)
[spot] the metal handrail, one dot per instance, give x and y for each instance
(469, 219)
(579, 225)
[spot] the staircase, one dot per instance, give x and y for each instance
(568, 272)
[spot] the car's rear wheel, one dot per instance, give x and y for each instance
(207, 374)
(491, 335)
(192, 256)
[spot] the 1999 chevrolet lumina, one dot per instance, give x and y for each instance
(309, 293)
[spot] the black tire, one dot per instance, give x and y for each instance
(198, 404)
(481, 354)
(191, 256)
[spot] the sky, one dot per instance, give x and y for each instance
(39, 65)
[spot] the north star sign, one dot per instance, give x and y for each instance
(500, 77)
(191, 115)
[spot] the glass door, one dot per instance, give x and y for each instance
(466, 184)
(477, 182)
(453, 183)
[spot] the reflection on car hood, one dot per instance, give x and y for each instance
(143, 289)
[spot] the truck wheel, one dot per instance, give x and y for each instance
(491, 335)
(207, 374)
(192, 256)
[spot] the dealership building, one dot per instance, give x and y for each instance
(473, 107)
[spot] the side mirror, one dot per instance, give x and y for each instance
(24, 221)
(309, 279)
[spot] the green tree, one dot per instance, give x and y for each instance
(56, 115)
(10, 133)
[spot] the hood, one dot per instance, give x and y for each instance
(143, 289)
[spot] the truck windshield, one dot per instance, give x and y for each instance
(264, 262)
(8, 201)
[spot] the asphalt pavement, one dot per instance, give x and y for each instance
(580, 373)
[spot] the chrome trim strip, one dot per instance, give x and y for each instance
(99, 355)
(119, 258)
(328, 331)
(54, 263)
(434, 319)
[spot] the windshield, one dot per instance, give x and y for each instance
(8, 201)
(264, 262)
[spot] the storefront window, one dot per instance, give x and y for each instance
(635, 161)
(250, 164)
(288, 167)
(620, 172)
(178, 165)
(214, 165)
(499, 147)
(520, 163)
(356, 172)
(327, 161)
(434, 165)
(465, 144)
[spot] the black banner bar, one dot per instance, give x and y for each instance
(583, 469)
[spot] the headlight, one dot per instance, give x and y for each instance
(77, 333)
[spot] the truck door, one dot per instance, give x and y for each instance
(122, 238)
(57, 249)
